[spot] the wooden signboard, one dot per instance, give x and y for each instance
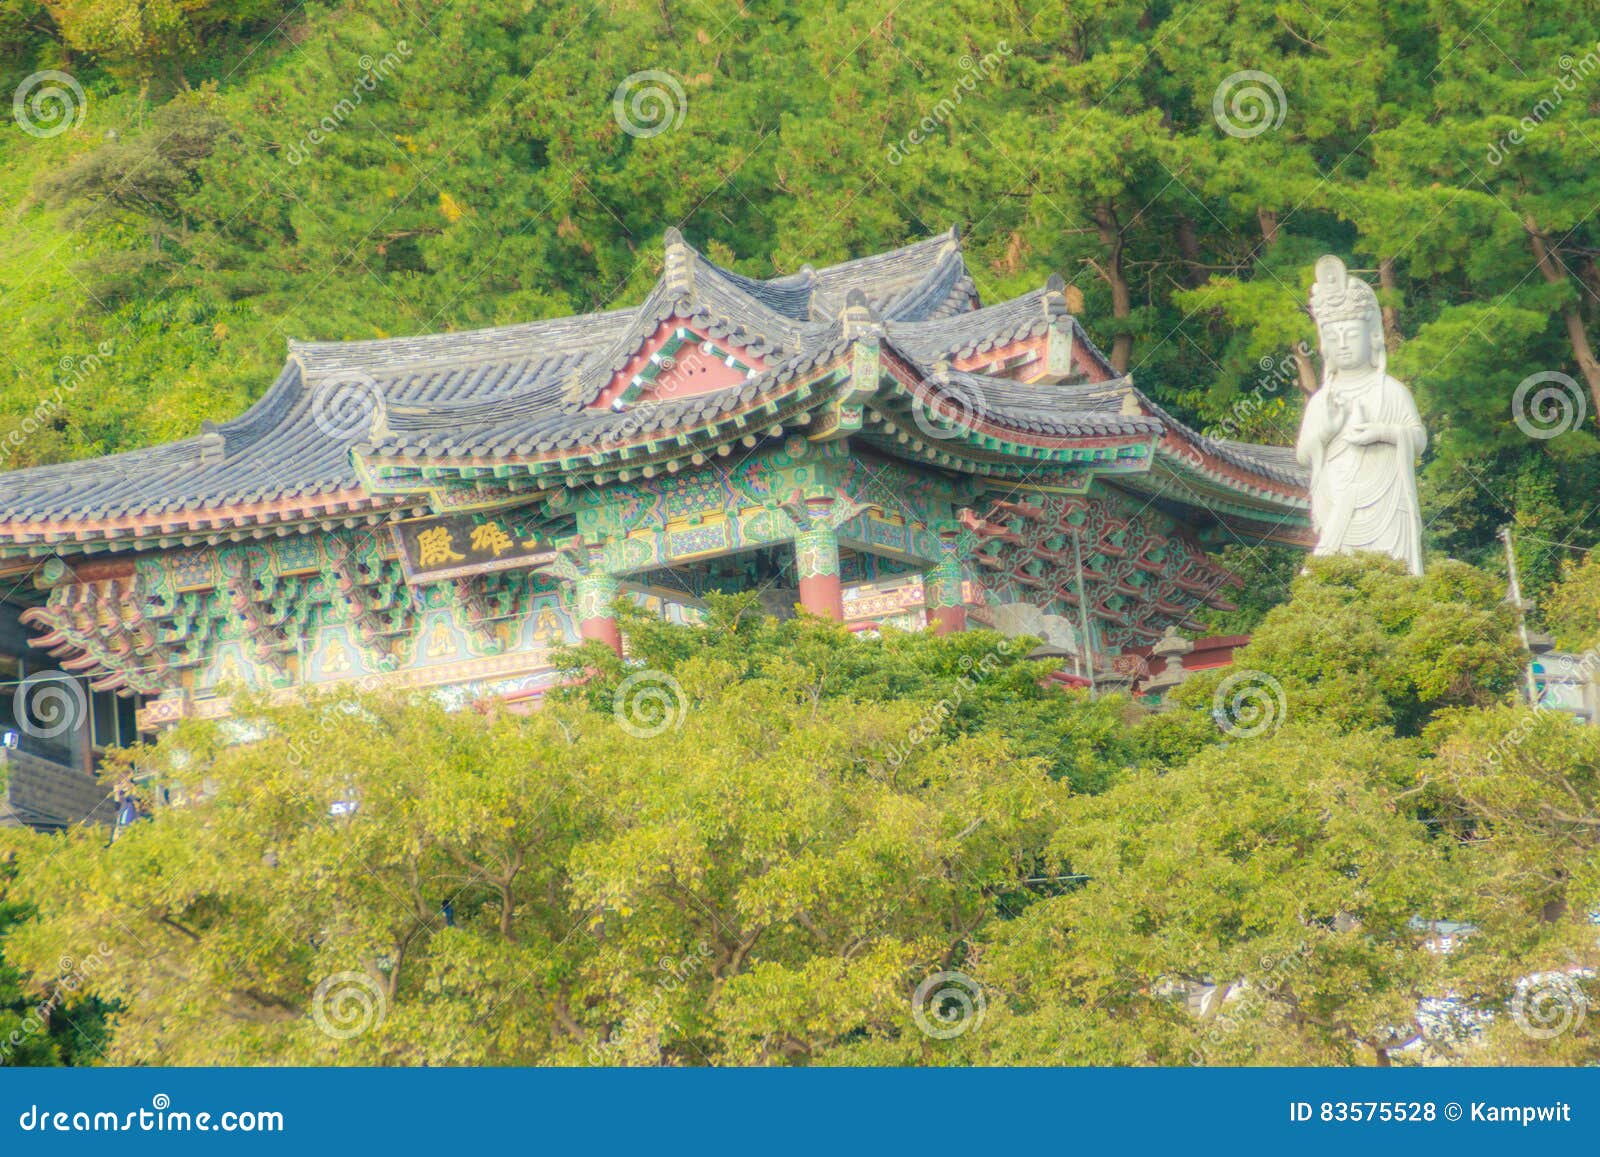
(453, 545)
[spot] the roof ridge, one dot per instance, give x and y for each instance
(313, 355)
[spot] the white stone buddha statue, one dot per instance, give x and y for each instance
(1361, 434)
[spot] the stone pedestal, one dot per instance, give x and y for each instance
(816, 556)
(1166, 663)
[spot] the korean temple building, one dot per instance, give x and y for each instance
(868, 440)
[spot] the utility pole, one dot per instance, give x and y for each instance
(1532, 685)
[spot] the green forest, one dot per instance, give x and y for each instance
(237, 173)
(815, 848)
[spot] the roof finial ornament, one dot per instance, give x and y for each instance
(378, 429)
(213, 444)
(858, 318)
(1055, 284)
(679, 264)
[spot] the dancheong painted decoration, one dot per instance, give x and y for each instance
(868, 441)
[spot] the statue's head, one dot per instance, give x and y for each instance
(1346, 345)
(1349, 321)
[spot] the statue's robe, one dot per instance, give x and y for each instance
(1365, 497)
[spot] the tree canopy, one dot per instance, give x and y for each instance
(763, 842)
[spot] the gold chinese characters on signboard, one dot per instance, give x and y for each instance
(453, 545)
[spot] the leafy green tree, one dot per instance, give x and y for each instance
(1271, 884)
(50, 1023)
(754, 876)
(1572, 607)
(1519, 790)
(1362, 644)
(148, 37)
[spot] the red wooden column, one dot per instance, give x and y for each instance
(816, 556)
(941, 593)
(947, 613)
(594, 595)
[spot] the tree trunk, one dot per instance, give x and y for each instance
(1589, 274)
(1268, 220)
(1582, 352)
(1305, 371)
(1110, 229)
(1189, 249)
(1391, 315)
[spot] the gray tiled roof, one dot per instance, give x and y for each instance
(526, 389)
(918, 282)
(979, 330)
(1069, 411)
(295, 442)
(37, 793)
(521, 427)
(529, 373)
(1275, 462)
